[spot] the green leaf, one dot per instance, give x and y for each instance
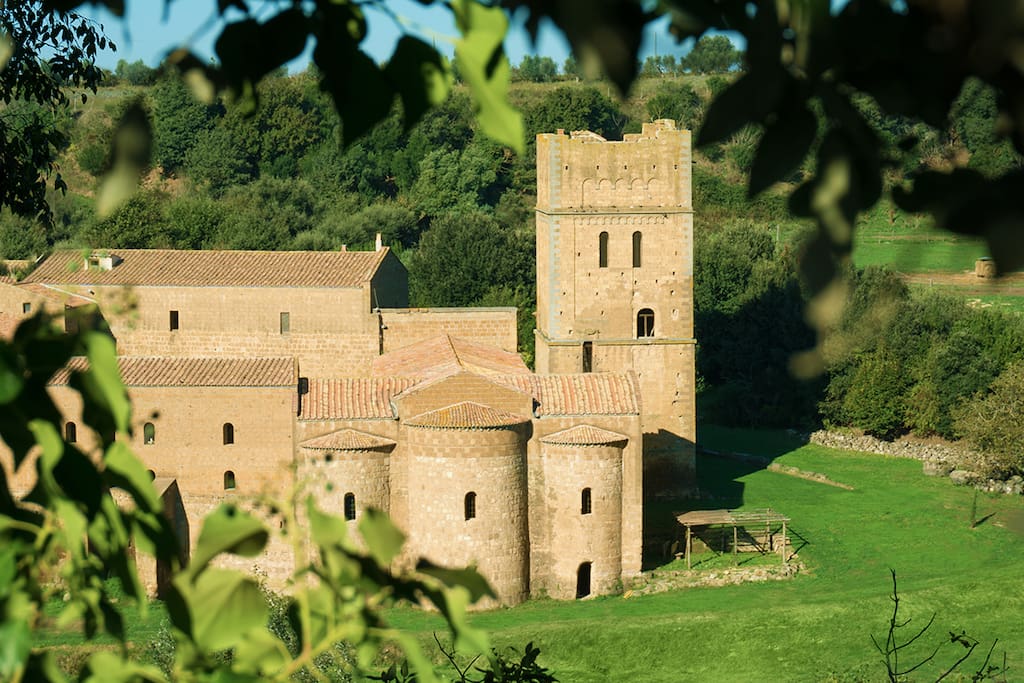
(224, 606)
(783, 147)
(422, 78)
(749, 100)
(227, 530)
(418, 662)
(131, 152)
(127, 472)
(485, 69)
(106, 666)
(468, 578)
(11, 379)
(325, 530)
(261, 652)
(383, 539)
(109, 409)
(15, 646)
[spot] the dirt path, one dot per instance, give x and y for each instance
(1011, 284)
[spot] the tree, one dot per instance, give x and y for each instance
(178, 121)
(576, 109)
(712, 55)
(676, 101)
(536, 69)
(993, 422)
(135, 73)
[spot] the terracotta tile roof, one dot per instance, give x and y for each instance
(445, 355)
(347, 440)
(592, 393)
(584, 435)
(170, 267)
(66, 298)
(195, 372)
(466, 415)
(354, 398)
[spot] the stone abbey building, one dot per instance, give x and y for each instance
(261, 372)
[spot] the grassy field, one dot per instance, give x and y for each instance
(817, 626)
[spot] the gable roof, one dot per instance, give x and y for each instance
(592, 393)
(446, 355)
(69, 299)
(194, 372)
(584, 435)
(347, 440)
(466, 415)
(183, 268)
(352, 398)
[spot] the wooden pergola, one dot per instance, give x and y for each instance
(735, 518)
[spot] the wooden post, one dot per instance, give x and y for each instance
(735, 542)
(688, 546)
(785, 553)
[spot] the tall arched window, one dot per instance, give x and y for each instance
(585, 503)
(350, 506)
(645, 323)
(71, 432)
(229, 433)
(149, 434)
(602, 250)
(638, 239)
(470, 505)
(229, 481)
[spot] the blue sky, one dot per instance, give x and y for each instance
(148, 35)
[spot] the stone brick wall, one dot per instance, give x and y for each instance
(330, 476)
(464, 386)
(446, 464)
(493, 326)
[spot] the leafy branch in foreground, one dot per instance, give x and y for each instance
(502, 668)
(893, 647)
(69, 533)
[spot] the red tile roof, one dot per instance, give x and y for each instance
(359, 398)
(584, 435)
(445, 355)
(347, 440)
(66, 298)
(466, 415)
(170, 267)
(195, 372)
(603, 393)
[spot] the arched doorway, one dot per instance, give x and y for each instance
(583, 581)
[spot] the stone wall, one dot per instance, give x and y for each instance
(492, 326)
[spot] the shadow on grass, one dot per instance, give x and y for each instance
(724, 457)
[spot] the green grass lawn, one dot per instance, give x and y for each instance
(818, 625)
(927, 255)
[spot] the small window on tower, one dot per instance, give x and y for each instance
(229, 433)
(602, 250)
(26, 307)
(585, 502)
(638, 239)
(470, 505)
(71, 432)
(645, 323)
(149, 434)
(286, 323)
(588, 356)
(229, 481)
(174, 320)
(350, 506)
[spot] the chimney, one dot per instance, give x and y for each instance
(344, 247)
(561, 131)
(379, 244)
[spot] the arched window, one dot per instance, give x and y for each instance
(470, 505)
(229, 481)
(588, 356)
(149, 434)
(229, 433)
(71, 432)
(585, 503)
(602, 250)
(152, 474)
(645, 323)
(583, 580)
(638, 239)
(350, 506)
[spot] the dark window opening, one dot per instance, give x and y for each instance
(350, 506)
(588, 356)
(229, 433)
(26, 307)
(70, 320)
(71, 432)
(470, 505)
(585, 502)
(286, 323)
(229, 481)
(638, 239)
(174, 320)
(303, 386)
(583, 581)
(645, 323)
(152, 475)
(149, 434)
(602, 250)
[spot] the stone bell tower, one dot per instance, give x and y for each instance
(615, 277)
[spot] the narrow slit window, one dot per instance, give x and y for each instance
(149, 434)
(229, 481)
(26, 307)
(174, 320)
(229, 433)
(638, 240)
(645, 323)
(71, 432)
(585, 502)
(350, 506)
(602, 250)
(588, 356)
(286, 322)
(470, 505)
